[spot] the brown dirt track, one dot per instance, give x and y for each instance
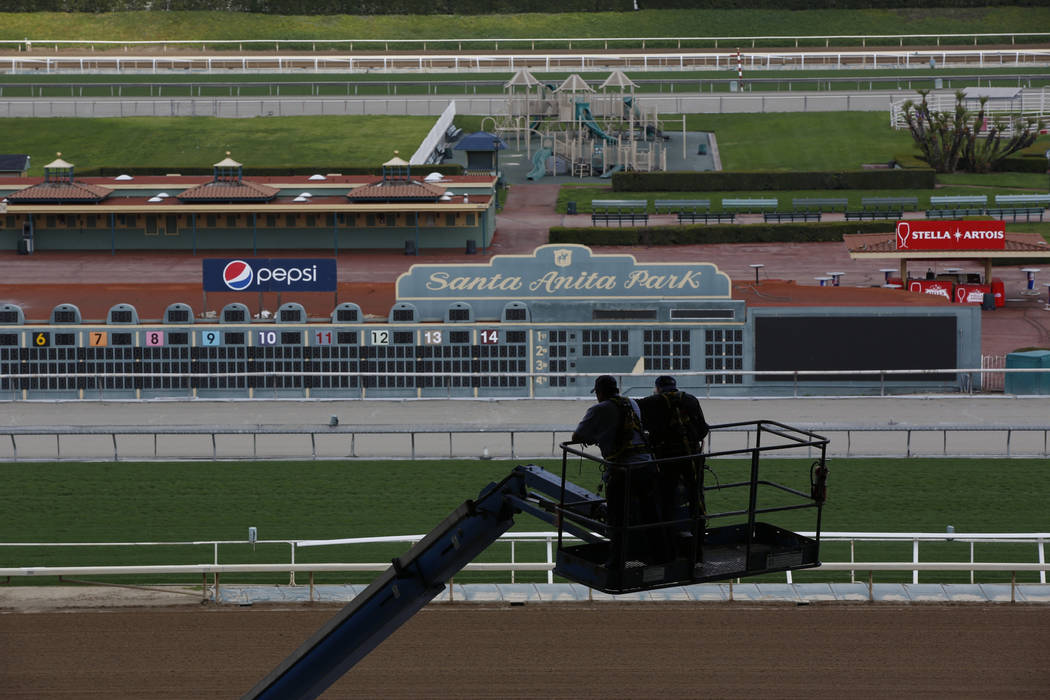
(600, 650)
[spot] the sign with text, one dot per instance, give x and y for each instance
(563, 272)
(269, 275)
(951, 235)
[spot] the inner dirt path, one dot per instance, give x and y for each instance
(527, 215)
(606, 650)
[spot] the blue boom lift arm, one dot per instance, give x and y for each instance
(417, 577)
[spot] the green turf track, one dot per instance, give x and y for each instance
(182, 501)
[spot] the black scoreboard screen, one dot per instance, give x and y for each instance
(855, 342)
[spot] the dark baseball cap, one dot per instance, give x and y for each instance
(666, 382)
(606, 383)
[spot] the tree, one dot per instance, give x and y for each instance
(964, 139)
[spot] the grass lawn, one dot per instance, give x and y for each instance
(811, 141)
(172, 142)
(645, 23)
(125, 502)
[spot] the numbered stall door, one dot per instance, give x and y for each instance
(503, 361)
(111, 362)
(220, 361)
(332, 363)
(277, 361)
(50, 363)
(447, 361)
(10, 364)
(166, 365)
(388, 362)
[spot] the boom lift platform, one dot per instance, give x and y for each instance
(679, 549)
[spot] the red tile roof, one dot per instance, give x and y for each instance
(887, 243)
(60, 192)
(396, 190)
(245, 190)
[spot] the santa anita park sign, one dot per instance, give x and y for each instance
(560, 273)
(563, 271)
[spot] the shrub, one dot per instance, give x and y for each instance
(715, 233)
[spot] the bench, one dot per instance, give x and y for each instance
(967, 201)
(873, 214)
(706, 217)
(953, 213)
(779, 216)
(677, 206)
(1023, 199)
(619, 210)
(749, 205)
(1029, 213)
(819, 204)
(889, 203)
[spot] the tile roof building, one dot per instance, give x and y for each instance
(234, 211)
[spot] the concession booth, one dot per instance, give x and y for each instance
(971, 246)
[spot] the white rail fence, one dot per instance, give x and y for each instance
(1029, 104)
(515, 563)
(471, 441)
(476, 62)
(233, 108)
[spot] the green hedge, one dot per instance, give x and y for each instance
(895, 179)
(1023, 164)
(477, 7)
(716, 233)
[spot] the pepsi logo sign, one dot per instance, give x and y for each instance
(237, 275)
(269, 275)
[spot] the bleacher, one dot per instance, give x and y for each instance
(631, 211)
(967, 201)
(956, 207)
(753, 205)
(678, 206)
(1015, 207)
(707, 217)
(874, 208)
(781, 216)
(691, 211)
(1028, 200)
(953, 213)
(1015, 214)
(1024, 207)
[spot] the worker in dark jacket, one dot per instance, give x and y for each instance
(676, 426)
(614, 425)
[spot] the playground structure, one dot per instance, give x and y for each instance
(581, 132)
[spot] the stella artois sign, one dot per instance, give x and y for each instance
(951, 235)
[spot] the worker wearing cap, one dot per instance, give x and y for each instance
(676, 426)
(614, 425)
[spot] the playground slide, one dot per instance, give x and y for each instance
(583, 113)
(539, 161)
(609, 173)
